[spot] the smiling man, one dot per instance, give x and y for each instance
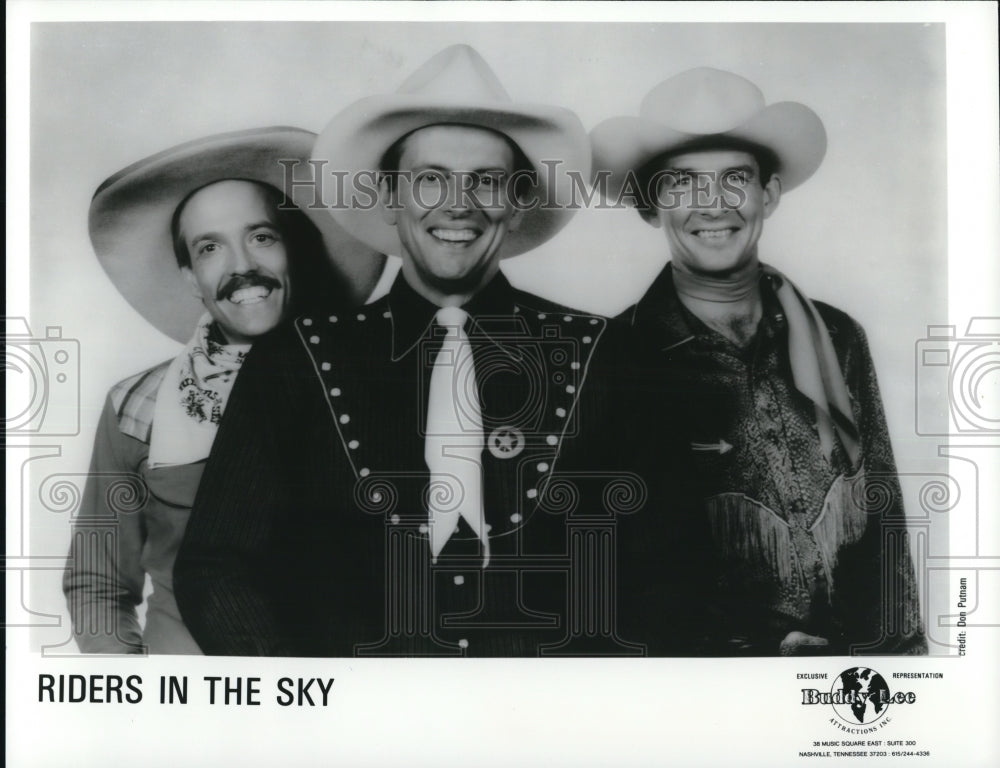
(788, 432)
(231, 250)
(469, 444)
(212, 208)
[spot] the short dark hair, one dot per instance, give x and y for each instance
(314, 279)
(767, 162)
(524, 172)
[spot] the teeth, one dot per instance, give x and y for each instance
(250, 295)
(455, 235)
(714, 234)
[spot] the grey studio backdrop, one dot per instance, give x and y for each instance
(867, 233)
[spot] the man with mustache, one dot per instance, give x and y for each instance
(470, 481)
(789, 435)
(248, 258)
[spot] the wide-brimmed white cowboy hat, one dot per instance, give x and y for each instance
(131, 211)
(698, 106)
(456, 86)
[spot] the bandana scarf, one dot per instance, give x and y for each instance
(815, 369)
(192, 398)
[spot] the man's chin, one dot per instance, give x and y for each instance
(720, 263)
(243, 330)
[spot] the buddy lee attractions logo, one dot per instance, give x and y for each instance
(860, 698)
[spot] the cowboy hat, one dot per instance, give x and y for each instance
(698, 106)
(456, 86)
(131, 211)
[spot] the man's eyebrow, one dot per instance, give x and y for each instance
(446, 171)
(205, 236)
(697, 171)
(263, 224)
(432, 167)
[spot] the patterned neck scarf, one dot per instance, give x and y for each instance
(192, 398)
(815, 368)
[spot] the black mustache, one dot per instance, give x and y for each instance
(246, 280)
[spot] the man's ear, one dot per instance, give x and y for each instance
(649, 216)
(388, 199)
(192, 281)
(515, 219)
(772, 194)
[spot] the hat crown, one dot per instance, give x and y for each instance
(456, 74)
(704, 101)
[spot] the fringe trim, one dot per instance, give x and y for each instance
(746, 529)
(842, 520)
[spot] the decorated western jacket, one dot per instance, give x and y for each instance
(807, 544)
(309, 533)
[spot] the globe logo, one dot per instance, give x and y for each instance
(860, 695)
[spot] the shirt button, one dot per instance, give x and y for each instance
(459, 580)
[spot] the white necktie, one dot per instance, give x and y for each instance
(454, 443)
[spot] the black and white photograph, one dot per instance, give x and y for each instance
(426, 383)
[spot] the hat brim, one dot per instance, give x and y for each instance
(792, 132)
(352, 145)
(131, 211)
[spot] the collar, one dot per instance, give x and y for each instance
(672, 324)
(412, 315)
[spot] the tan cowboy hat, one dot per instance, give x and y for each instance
(130, 219)
(701, 104)
(455, 86)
